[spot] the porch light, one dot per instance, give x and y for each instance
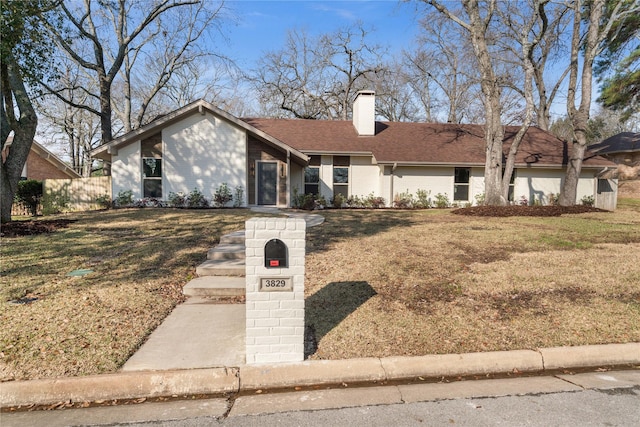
(252, 169)
(282, 171)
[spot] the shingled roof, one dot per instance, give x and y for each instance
(625, 142)
(417, 143)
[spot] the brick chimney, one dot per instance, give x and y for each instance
(364, 113)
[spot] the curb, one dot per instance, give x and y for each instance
(221, 381)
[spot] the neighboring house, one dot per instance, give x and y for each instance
(42, 164)
(200, 146)
(624, 150)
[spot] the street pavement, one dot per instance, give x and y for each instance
(607, 398)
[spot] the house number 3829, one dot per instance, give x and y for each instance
(275, 284)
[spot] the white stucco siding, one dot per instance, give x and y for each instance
(433, 179)
(203, 151)
(364, 177)
(326, 177)
(125, 171)
(540, 184)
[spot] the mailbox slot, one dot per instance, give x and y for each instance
(276, 254)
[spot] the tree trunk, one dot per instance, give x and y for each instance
(580, 117)
(105, 119)
(24, 129)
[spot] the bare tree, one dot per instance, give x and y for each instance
(586, 44)
(171, 46)
(317, 78)
(101, 36)
(77, 129)
(444, 65)
(480, 21)
(396, 98)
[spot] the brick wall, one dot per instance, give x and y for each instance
(40, 169)
(275, 319)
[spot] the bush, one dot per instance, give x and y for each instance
(123, 199)
(196, 199)
(442, 201)
(177, 200)
(554, 199)
(480, 199)
(422, 200)
(588, 201)
(29, 193)
(338, 200)
(403, 200)
(238, 198)
(104, 201)
(523, 201)
(223, 195)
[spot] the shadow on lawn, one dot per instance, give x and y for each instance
(331, 305)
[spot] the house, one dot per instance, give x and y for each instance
(200, 146)
(42, 164)
(624, 150)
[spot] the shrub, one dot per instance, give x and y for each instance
(554, 199)
(177, 200)
(480, 199)
(423, 199)
(338, 200)
(238, 197)
(588, 201)
(29, 193)
(442, 201)
(523, 201)
(196, 199)
(104, 201)
(403, 200)
(223, 195)
(124, 198)
(377, 202)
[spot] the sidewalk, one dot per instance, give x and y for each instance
(312, 374)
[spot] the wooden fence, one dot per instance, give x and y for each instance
(77, 194)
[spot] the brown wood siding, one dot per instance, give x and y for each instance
(259, 150)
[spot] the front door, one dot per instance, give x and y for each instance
(267, 183)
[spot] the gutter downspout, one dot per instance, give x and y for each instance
(288, 172)
(393, 169)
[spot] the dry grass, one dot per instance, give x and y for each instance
(92, 324)
(431, 282)
(378, 283)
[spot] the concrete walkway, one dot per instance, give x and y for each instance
(203, 332)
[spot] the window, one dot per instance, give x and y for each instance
(152, 167)
(341, 175)
(461, 184)
(312, 176)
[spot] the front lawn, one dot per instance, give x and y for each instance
(378, 283)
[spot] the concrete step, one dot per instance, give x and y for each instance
(237, 237)
(227, 251)
(215, 286)
(221, 267)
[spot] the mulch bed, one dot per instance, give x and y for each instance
(31, 227)
(503, 211)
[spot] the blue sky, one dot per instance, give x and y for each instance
(263, 25)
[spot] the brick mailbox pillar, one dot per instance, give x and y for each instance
(275, 250)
